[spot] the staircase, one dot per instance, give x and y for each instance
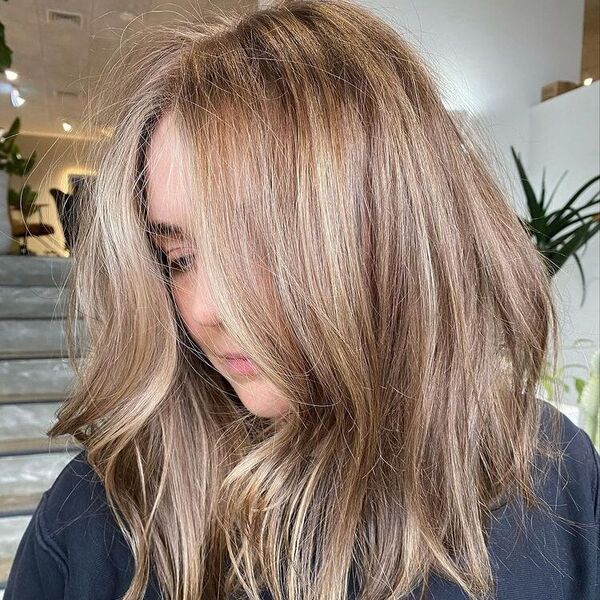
(34, 378)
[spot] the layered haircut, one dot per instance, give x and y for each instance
(360, 250)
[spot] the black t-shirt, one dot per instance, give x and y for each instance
(72, 548)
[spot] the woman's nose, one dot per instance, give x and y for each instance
(203, 308)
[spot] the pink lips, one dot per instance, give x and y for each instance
(240, 365)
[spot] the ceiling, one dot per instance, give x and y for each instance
(488, 57)
(61, 45)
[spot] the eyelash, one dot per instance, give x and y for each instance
(181, 264)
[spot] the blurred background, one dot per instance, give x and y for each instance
(525, 72)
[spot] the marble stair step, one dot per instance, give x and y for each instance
(31, 397)
(23, 429)
(23, 480)
(32, 302)
(11, 532)
(25, 446)
(35, 338)
(34, 379)
(34, 270)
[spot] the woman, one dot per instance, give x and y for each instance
(315, 328)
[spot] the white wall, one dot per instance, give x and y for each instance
(564, 136)
(491, 59)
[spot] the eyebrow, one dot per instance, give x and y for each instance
(164, 229)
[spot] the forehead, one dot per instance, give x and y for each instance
(167, 186)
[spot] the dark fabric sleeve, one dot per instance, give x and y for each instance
(595, 476)
(579, 497)
(72, 548)
(597, 492)
(38, 570)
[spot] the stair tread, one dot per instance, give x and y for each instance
(23, 428)
(34, 270)
(18, 421)
(34, 445)
(32, 302)
(34, 377)
(23, 478)
(36, 338)
(11, 532)
(34, 397)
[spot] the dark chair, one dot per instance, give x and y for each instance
(66, 206)
(23, 229)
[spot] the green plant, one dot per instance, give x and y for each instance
(14, 163)
(5, 51)
(585, 391)
(589, 399)
(11, 159)
(23, 200)
(561, 233)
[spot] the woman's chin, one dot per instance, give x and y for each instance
(261, 398)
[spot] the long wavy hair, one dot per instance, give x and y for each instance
(360, 250)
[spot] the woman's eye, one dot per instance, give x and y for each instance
(181, 264)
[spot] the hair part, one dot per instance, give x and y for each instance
(360, 250)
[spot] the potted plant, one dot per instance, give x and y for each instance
(23, 200)
(5, 51)
(11, 163)
(585, 389)
(559, 234)
(589, 399)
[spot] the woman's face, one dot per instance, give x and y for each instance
(166, 194)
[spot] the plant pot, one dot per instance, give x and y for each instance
(6, 238)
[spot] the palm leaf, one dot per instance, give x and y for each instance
(560, 233)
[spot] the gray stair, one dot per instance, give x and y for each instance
(23, 429)
(32, 302)
(11, 531)
(28, 338)
(35, 377)
(23, 479)
(47, 271)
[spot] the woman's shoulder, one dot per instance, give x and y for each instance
(77, 494)
(74, 511)
(72, 540)
(572, 481)
(553, 554)
(72, 546)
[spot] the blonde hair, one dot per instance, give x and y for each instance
(359, 249)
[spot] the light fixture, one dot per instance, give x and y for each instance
(11, 75)
(15, 98)
(67, 126)
(588, 81)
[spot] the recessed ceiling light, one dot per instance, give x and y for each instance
(11, 75)
(15, 98)
(588, 81)
(67, 126)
